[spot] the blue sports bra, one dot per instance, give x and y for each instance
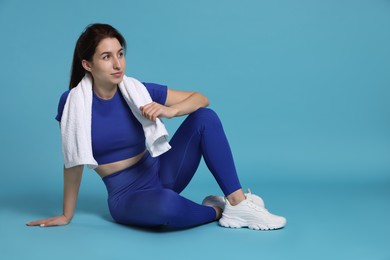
(116, 132)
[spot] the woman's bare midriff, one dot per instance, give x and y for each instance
(109, 168)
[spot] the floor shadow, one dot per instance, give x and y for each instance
(158, 229)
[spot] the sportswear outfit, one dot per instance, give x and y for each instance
(147, 193)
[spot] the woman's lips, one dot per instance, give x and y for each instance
(117, 74)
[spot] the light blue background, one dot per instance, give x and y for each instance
(303, 90)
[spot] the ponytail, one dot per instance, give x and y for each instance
(77, 71)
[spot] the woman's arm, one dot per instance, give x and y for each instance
(72, 180)
(178, 103)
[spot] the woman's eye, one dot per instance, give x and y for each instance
(106, 57)
(121, 54)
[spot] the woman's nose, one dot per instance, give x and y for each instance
(117, 63)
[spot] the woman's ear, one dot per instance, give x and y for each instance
(86, 65)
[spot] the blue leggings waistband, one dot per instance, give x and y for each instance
(143, 173)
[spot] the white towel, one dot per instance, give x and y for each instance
(76, 122)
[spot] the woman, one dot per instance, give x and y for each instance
(144, 190)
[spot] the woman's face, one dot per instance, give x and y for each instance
(108, 63)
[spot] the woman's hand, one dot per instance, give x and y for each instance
(154, 110)
(48, 222)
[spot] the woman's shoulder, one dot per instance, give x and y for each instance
(61, 104)
(157, 92)
(153, 85)
(65, 95)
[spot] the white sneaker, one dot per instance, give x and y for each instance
(255, 199)
(248, 214)
(219, 201)
(214, 201)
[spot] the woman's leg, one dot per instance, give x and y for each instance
(160, 207)
(201, 134)
(137, 197)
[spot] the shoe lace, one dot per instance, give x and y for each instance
(252, 204)
(249, 196)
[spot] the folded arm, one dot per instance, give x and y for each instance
(178, 103)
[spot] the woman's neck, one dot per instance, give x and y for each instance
(105, 92)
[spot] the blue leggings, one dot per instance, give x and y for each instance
(147, 193)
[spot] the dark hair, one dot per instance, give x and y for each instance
(86, 46)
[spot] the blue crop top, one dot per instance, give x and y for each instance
(116, 132)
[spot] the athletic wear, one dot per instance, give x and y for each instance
(214, 201)
(258, 201)
(248, 214)
(137, 196)
(219, 201)
(116, 133)
(147, 194)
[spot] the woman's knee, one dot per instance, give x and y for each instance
(205, 116)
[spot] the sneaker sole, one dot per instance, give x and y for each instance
(229, 222)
